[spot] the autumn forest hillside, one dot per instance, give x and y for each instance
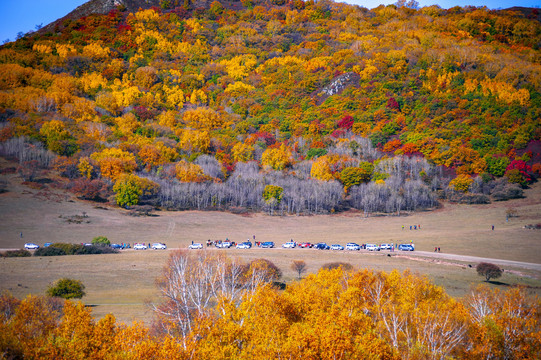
(289, 107)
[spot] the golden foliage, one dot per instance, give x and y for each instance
(461, 183)
(277, 158)
(188, 172)
(193, 140)
(242, 152)
(238, 88)
(85, 167)
(96, 51)
(114, 162)
(321, 169)
(203, 118)
(127, 123)
(239, 66)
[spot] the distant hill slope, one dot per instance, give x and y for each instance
(101, 7)
(312, 97)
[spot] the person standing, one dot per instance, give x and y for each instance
(492, 227)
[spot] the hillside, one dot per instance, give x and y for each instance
(296, 107)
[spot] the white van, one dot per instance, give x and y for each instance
(372, 247)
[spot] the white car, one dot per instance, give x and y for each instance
(372, 247)
(289, 245)
(31, 246)
(244, 245)
(159, 246)
(353, 246)
(139, 247)
(223, 244)
(385, 247)
(195, 246)
(337, 247)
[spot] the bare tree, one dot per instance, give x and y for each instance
(193, 283)
(299, 266)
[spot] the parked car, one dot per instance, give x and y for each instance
(353, 246)
(306, 245)
(244, 245)
(117, 246)
(337, 247)
(31, 246)
(406, 247)
(139, 247)
(322, 246)
(195, 246)
(289, 244)
(267, 244)
(372, 247)
(223, 244)
(159, 246)
(385, 247)
(47, 244)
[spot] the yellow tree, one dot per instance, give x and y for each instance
(277, 158)
(114, 162)
(85, 167)
(321, 169)
(503, 325)
(203, 118)
(189, 172)
(242, 152)
(193, 140)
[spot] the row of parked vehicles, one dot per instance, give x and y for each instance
(155, 246)
(319, 246)
(350, 246)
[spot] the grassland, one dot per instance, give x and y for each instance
(122, 283)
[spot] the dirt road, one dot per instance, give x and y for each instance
(474, 260)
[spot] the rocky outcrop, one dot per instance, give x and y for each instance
(337, 85)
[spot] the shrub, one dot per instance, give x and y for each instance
(67, 289)
(489, 271)
(49, 251)
(336, 265)
(273, 272)
(16, 253)
(69, 249)
(95, 249)
(100, 240)
(507, 192)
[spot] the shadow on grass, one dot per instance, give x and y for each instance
(499, 283)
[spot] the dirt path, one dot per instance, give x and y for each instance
(475, 260)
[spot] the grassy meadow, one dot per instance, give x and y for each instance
(123, 283)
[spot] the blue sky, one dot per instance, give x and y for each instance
(24, 15)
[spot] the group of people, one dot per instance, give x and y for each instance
(413, 227)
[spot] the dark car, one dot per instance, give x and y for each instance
(322, 246)
(406, 247)
(267, 244)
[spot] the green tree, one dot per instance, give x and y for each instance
(497, 166)
(67, 289)
(128, 190)
(101, 240)
(352, 176)
(489, 271)
(273, 192)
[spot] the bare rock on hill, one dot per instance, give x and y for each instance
(337, 85)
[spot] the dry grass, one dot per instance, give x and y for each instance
(122, 283)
